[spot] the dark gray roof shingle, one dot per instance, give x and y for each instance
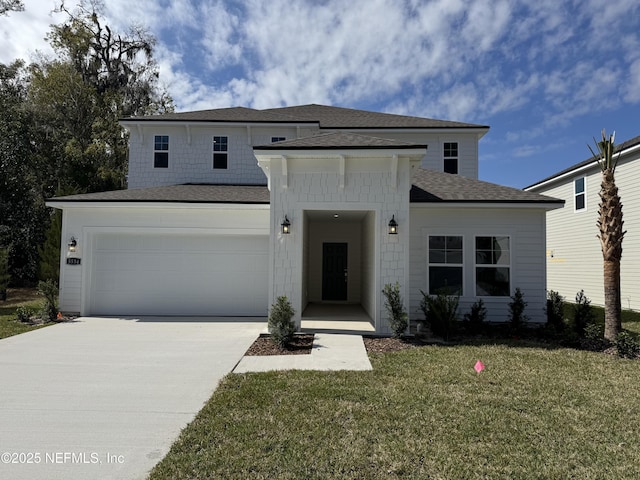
(338, 140)
(325, 116)
(188, 193)
(623, 146)
(432, 186)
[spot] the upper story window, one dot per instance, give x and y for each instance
(445, 265)
(493, 266)
(579, 194)
(277, 139)
(220, 149)
(161, 151)
(451, 157)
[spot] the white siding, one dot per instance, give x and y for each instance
(525, 227)
(574, 257)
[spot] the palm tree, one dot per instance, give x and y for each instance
(611, 234)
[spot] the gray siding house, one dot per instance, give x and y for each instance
(574, 258)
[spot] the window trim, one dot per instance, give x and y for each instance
(457, 265)
(451, 157)
(214, 152)
(583, 193)
(476, 265)
(167, 151)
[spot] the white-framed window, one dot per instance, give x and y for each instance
(450, 154)
(278, 139)
(220, 152)
(445, 264)
(579, 194)
(161, 151)
(493, 266)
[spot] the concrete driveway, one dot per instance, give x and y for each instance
(104, 398)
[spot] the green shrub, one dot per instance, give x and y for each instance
(49, 290)
(441, 312)
(4, 273)
(24, 314)
(398, 318)
(555, 311)
(517, 318)
(583, 314)
(593, 338)
(627, 345)
(474, 320)
(281, 325)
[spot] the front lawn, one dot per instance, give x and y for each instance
(423, 413)
(17, 297)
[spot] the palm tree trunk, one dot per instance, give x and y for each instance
(612, 302)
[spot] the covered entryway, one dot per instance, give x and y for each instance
(339, 267)
(178, 274)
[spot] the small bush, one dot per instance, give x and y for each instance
(627, 345)
(441, 312)
(517, 318)
(398, 318)
(593, 338)
(474, 320)
(49, 290)
(281, 325)
(555, 311)
(583, 314)
(24, 314)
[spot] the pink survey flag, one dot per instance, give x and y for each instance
(479, 366)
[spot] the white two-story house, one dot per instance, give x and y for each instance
(228, 209)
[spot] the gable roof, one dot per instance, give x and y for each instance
(430, 186)
(339, 140)
(619, 148)
(322, 115)
(187, 193)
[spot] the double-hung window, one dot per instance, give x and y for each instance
(220, 152)
(451, 157)
(161, 151)
(493, 266)
(445, 265)
(579, 194)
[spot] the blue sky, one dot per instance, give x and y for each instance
(546, 76)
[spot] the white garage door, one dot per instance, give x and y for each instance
(165, 274)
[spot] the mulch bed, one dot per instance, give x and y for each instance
(301, 345)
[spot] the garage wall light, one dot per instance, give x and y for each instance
(393, 226)
(72, 245)
(285, 226)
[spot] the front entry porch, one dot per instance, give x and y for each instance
(337, 318)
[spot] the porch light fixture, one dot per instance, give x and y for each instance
(285, 226)
(73, 243)
(393, 226)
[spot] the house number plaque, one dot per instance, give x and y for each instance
(73, 261)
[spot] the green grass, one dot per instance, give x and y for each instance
(630, 318)
(15, 298)
(423, 413)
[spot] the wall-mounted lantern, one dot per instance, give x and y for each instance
(393, 226)
(285, 226)
(72, 245)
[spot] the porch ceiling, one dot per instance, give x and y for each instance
(329, 215)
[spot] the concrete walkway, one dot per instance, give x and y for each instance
(329, 352)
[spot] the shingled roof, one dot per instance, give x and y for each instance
(430, 186)
(322, 115)
(187, 193)
(339, 140)
(619, 148)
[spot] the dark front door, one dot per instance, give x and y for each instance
(334, 271)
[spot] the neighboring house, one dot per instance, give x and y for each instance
(574, 257)
(228, 209)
